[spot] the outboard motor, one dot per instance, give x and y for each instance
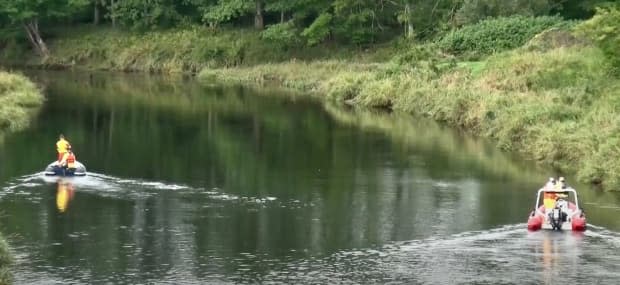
(556, 218)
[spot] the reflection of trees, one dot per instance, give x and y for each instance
(449, 147)
(449, 154)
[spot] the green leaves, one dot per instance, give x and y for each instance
(283, 34)
(146, 14)
(226, 10)
(498, 34)
(358, 22)
(604, 30)
(318, 30)
(473, 11)
(18, 11)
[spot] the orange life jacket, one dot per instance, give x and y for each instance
(71, 161)
(549, 200)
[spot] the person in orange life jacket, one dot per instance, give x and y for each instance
(61, 147)
(68, 159)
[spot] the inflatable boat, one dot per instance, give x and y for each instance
(557, 209)
(54, 170)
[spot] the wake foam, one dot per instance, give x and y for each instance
(110, 186)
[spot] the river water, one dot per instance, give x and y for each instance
(199, 183)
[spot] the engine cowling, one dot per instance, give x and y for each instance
(556, 218)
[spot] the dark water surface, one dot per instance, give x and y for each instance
(195, 184)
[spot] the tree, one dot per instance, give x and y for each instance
(583, 9)
(473, 11)
(282, 7)
(355, 20)
(405, 16)
(97, 6)
(422, 15)
(145, 14)
(259, 22)
(603, 29)
(318, 30)
(28, 14)
(220, 11)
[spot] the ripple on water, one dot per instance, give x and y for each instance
(507, 255)
(123, 188)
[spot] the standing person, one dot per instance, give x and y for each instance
(61, 147)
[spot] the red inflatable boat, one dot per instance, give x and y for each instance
(557, 209)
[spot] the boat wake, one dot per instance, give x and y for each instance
(124, 188)
(476, 257)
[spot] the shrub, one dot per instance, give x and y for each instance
(318, 30)
(283, 35)
(554, 38)
(498, 34)
(18, 96)
(5, 262)
(473, 11)
(603, 30)
(345, 86)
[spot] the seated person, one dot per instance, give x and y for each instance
(563, 206)
(550, 184)
(68, 160)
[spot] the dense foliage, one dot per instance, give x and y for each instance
(288, 22)
(19, 97)
(544, 99)
(5, 263)
(604, 30)
(496, 34)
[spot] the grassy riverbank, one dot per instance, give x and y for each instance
(186, 50)
(550, 97)
(19, 98)
(556, 106)
(5, 262)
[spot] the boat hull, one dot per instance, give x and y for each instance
(557, 208)
(53, 170)
(538, 220)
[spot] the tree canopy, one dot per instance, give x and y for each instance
(312, 22)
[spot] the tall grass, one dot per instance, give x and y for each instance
(556, 106)
(19, 98)
(5, 263)
(186, 50)
(497, 34)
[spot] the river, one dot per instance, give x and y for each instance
(202, 183)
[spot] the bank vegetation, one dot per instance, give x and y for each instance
(539, 77)
(554, 98)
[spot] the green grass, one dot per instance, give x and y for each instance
(19, 98)
(555, 103)
(555, 106)
(5, 262)
(186, 50)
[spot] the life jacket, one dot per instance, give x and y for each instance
(549, 200)
(61, 146)
(70, 160)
